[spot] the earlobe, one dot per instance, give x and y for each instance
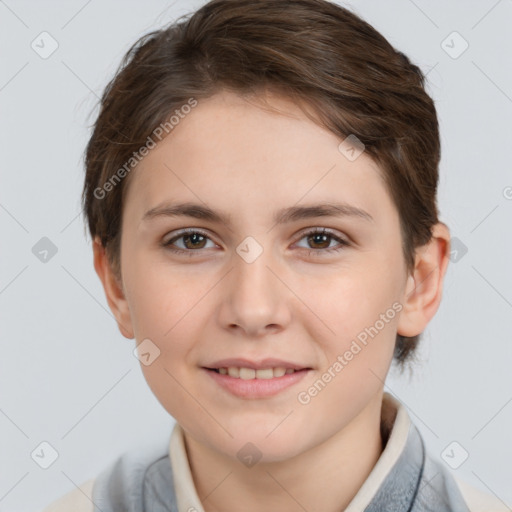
(113, 290)
(424, 288)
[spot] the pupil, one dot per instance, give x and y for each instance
(194, 238)
(319, 236)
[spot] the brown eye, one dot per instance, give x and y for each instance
(319, 241)
(187, 241)
(194, 241)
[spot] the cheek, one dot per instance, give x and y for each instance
(166, 307)
(354, 328)
(356, 349)
(348, 300)
(161, 297)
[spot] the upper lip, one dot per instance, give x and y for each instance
(255, 365)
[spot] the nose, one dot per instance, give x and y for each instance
(255, 300)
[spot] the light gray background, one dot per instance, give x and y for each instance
(68, 377)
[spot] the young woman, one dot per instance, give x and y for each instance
(261, 192)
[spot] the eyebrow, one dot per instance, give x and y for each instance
(283, 216)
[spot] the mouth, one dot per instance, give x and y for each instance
(245, 373)
(251, 383)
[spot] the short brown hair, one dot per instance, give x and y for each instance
(310, 50)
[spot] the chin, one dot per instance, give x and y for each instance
(279, 445)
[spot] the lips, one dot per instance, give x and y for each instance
(244, 369)
(255, 384)
(245, 373)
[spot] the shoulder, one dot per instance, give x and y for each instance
(78, 500)
(441, 484)
(142, 473)
(479, 501)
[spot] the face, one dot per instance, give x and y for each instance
(273, 278)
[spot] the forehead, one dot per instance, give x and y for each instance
(258, 151)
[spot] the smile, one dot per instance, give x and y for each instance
(251, 373)
(249, 383)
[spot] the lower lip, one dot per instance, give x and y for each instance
(257, 388)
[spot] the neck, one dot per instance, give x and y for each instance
(338, 467)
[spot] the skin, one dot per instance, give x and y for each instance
(242, 157)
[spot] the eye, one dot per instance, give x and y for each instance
(323, 237)
(192, 240)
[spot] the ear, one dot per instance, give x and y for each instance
(113, 290)
(425, 286)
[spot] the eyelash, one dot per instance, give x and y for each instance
(318, 231)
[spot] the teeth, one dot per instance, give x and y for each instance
(249, 373)
(233, 372)
(267, 373)
(279, 372)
